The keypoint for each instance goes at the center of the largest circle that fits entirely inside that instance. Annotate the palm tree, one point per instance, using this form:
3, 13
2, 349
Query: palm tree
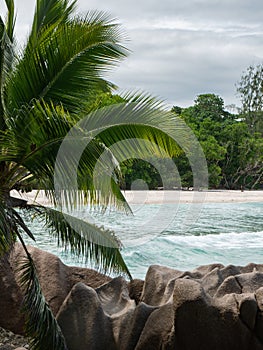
47, 89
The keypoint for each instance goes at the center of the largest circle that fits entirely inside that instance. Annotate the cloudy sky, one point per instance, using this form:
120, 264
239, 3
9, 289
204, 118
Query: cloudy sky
180, 49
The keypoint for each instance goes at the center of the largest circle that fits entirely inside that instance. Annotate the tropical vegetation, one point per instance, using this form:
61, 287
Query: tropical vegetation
232, 142
48, 86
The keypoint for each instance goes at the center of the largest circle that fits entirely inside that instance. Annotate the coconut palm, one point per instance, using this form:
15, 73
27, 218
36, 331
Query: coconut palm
47, 88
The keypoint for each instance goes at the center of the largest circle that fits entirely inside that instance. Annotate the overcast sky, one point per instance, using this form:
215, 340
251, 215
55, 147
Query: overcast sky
180, 49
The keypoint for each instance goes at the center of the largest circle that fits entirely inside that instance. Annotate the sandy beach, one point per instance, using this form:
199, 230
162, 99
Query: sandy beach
210, 196
158, 197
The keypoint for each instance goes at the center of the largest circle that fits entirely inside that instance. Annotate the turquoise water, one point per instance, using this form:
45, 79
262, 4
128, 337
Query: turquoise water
182, 236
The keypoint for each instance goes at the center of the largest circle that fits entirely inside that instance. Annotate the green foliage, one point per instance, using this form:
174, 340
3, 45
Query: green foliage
207, 119
185, 170
250, 89
138, 169
52, 89
233, 153
243, 164
209, 106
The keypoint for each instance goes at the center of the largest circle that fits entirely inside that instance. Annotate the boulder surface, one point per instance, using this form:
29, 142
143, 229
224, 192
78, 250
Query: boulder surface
212, 307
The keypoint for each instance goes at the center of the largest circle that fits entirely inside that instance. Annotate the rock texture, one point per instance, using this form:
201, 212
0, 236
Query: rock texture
213, 307
56, 279
10, 298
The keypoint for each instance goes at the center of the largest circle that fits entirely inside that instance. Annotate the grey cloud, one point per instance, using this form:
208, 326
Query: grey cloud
224, 10
179, 66
212, 43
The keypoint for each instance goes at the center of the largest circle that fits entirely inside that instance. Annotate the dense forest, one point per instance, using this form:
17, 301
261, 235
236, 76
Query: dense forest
232, 142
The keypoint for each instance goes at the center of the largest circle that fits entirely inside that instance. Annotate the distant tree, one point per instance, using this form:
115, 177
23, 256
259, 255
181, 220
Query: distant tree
206, 118
250, 89
209, 106
234, 155
243, 162
177, 110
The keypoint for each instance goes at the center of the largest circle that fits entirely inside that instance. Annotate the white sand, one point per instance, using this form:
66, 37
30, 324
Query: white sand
136, 197
158, 197
37, 197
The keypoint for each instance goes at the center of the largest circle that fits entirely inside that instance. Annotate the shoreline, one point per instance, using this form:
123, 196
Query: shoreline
209, 196
168, 197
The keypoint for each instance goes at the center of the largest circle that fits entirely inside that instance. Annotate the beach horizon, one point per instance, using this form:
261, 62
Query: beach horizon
181, 196
168, 196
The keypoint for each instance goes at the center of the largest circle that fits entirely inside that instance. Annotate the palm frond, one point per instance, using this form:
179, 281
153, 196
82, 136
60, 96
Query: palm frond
41, 325
20, 223
11, 19
138, 120
96, 245
67, 66
119, 131
6, 62
49, 13
37, 135
7, 232
35, 132
86, 172
92, 149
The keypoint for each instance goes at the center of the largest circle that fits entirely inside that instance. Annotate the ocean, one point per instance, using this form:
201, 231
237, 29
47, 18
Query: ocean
182, 236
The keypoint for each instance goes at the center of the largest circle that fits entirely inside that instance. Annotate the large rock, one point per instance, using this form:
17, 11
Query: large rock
83, 321
135, 290
105, 315
212, 307
159, 284
10, 299
131, 327
158, 332
202, 322
56, 280
200, 309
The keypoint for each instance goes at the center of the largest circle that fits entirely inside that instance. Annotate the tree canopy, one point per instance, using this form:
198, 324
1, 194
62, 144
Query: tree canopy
233, 149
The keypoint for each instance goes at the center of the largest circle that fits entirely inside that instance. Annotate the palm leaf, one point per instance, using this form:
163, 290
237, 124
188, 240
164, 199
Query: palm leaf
11, 19
137, 122
38, 133
101, 133
41, 325
20, 223
48, 13
6, 62
66, 66
7, 232
97, 245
